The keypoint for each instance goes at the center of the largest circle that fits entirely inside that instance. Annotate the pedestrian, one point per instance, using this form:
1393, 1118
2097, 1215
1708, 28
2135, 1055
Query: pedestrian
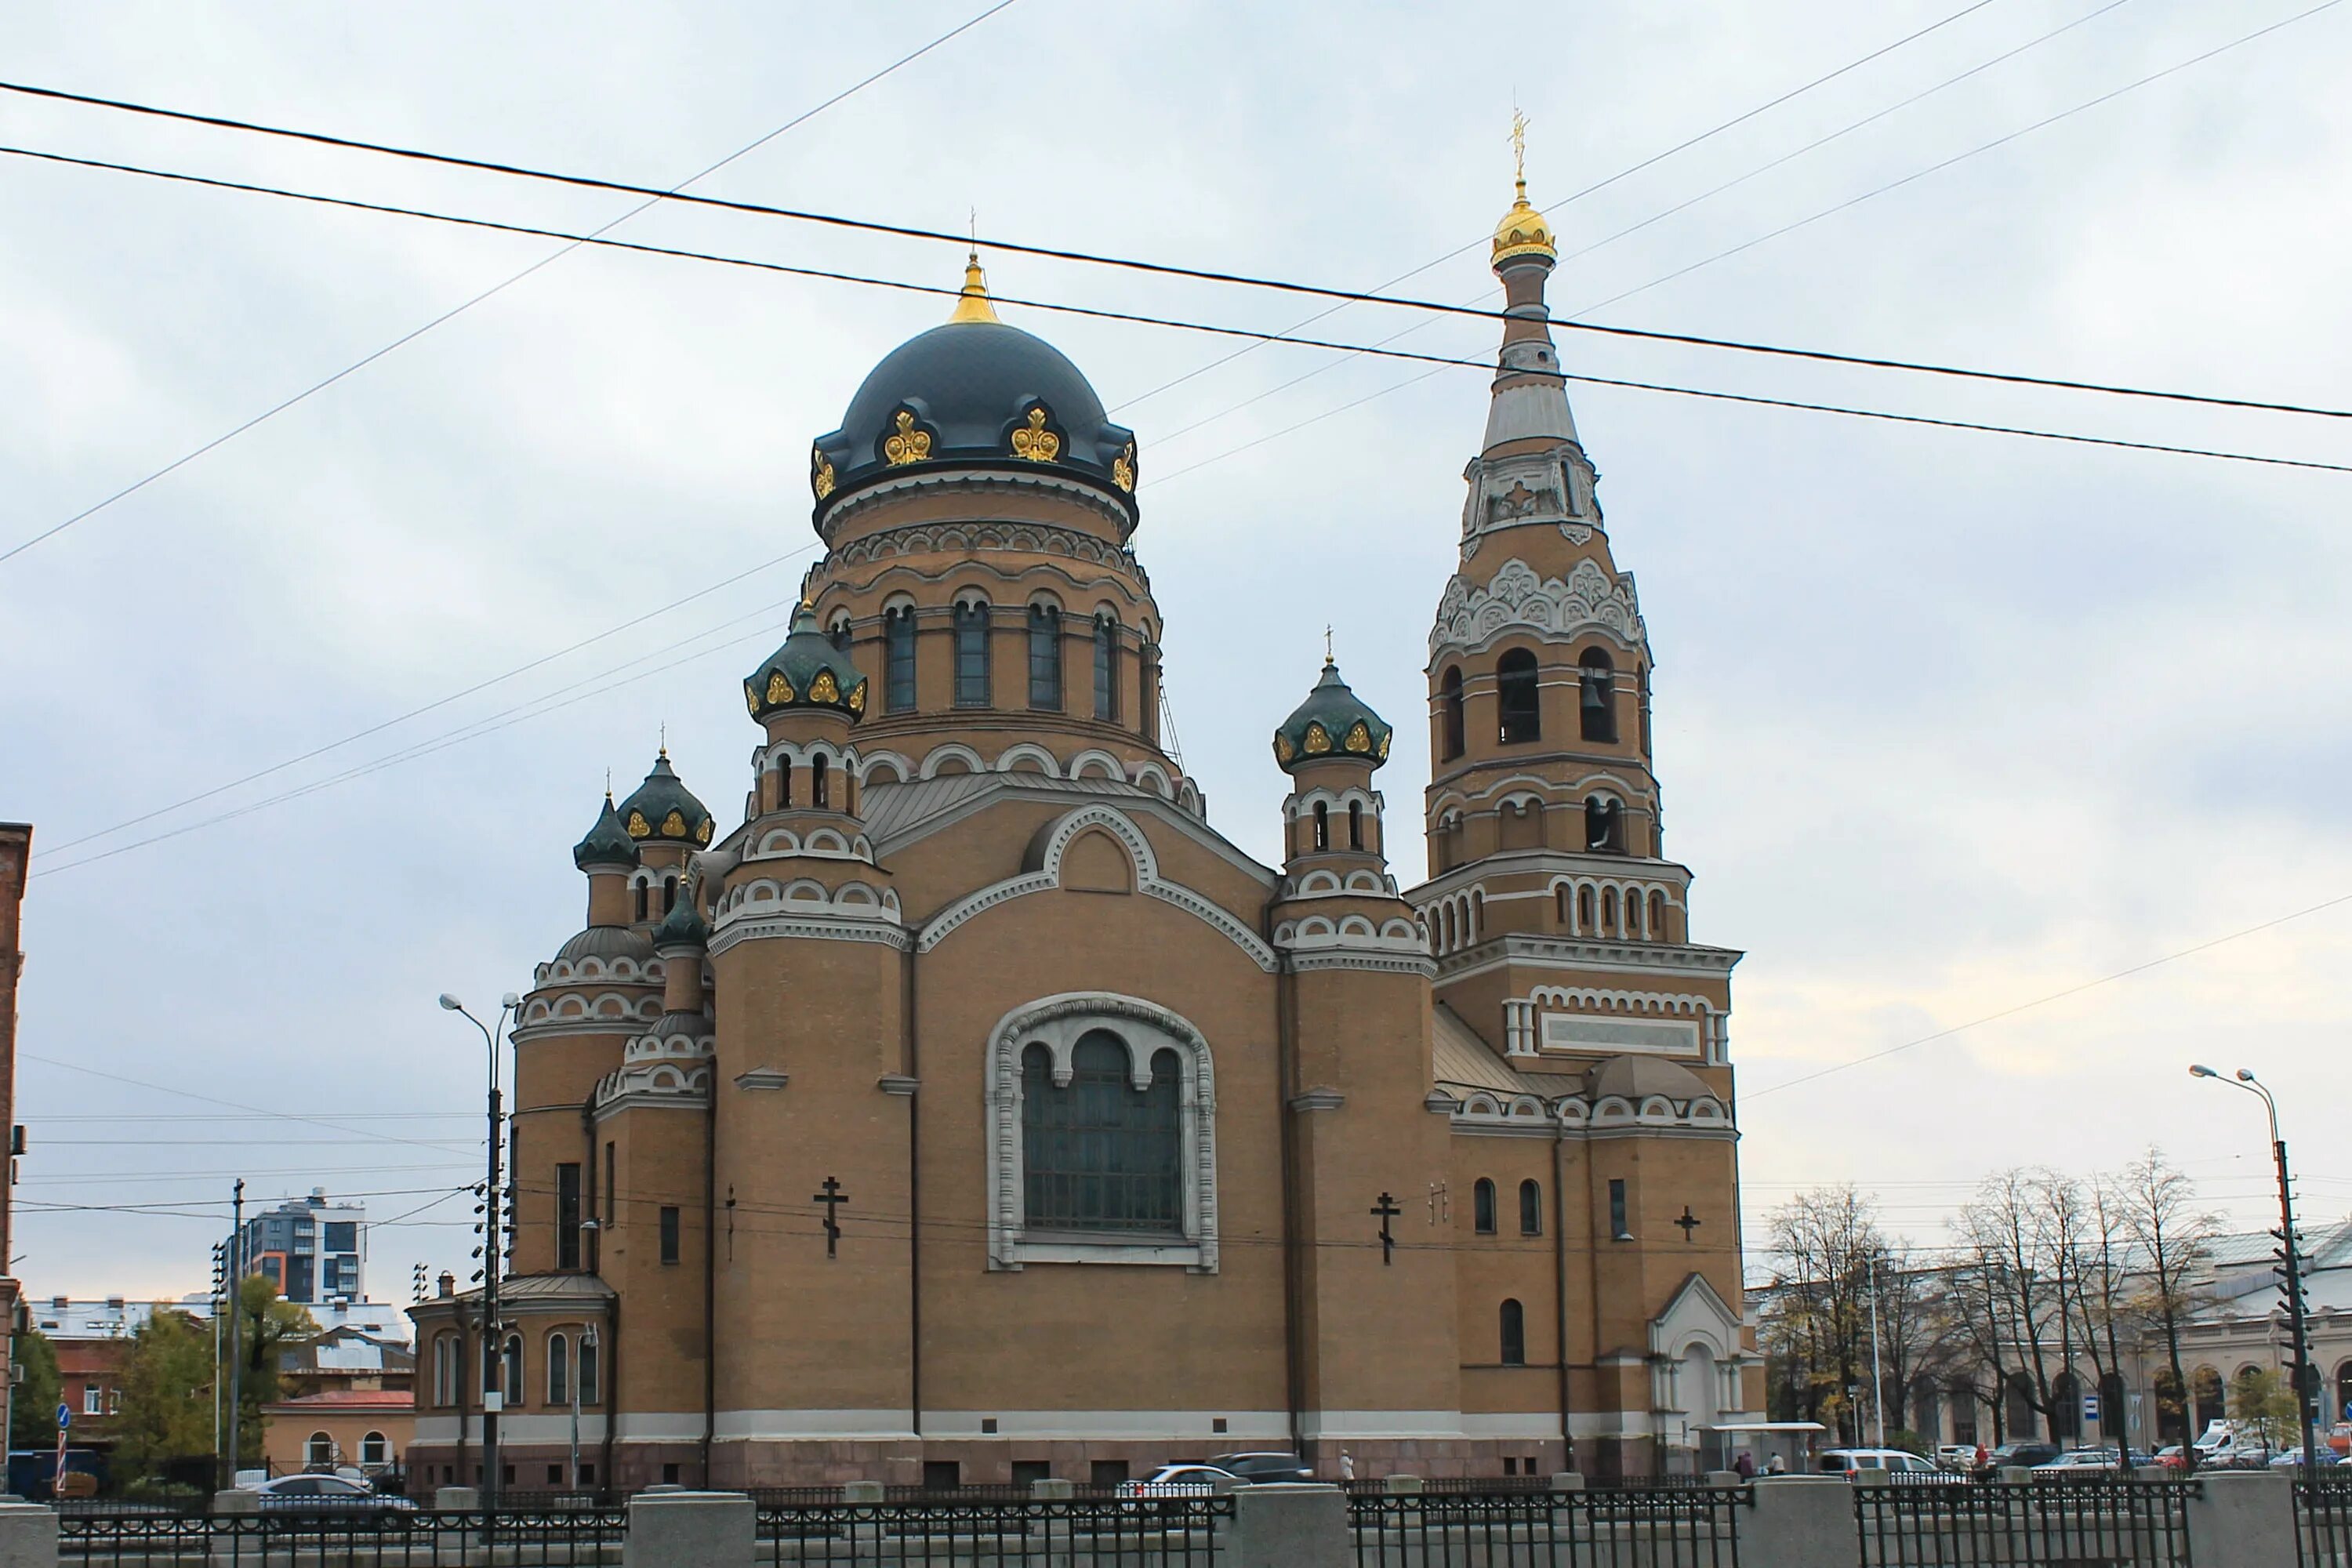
1984, 1458
1777, 1467
1346, 1467
1746, 1465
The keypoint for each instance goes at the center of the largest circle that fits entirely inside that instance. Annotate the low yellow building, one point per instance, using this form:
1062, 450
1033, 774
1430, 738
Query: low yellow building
366, 1427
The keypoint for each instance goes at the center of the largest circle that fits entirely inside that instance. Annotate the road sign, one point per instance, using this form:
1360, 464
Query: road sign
65, 1418
2090, 1407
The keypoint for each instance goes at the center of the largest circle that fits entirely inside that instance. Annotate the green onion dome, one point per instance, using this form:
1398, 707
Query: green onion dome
808, 671
1332, 722
663, 809
682, 927
608, 843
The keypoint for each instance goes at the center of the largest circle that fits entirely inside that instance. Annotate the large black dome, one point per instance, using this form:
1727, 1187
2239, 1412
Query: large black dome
975, 393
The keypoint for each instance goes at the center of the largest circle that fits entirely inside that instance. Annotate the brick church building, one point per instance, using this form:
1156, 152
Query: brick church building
973, 1108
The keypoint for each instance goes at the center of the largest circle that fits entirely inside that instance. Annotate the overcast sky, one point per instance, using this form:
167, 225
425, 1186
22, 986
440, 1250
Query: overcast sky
1946, 722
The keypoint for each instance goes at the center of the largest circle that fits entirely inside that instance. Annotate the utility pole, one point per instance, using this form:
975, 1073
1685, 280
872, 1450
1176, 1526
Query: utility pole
236, 1295
493, 1349
1877, 1394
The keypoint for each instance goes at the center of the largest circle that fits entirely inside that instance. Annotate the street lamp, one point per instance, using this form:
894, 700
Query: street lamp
2246, 1081
493, 1353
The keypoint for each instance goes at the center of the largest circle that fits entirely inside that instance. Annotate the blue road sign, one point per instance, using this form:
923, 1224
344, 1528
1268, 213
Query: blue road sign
2090, 1407
65, 1418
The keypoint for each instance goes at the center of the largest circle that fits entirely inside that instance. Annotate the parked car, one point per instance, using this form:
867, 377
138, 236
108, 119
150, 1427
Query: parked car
1267, 1466
2293, 1458
2223, 1445
1960, 1456
2091, 1459
2021, 1455
326, 1496
1893, 1462
1178, 1481
2175, 1456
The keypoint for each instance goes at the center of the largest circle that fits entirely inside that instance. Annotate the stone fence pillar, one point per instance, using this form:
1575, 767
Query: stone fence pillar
1802, 1521
28, 1535
448, 1500
2242, 1519
1289, 1525
691, 1529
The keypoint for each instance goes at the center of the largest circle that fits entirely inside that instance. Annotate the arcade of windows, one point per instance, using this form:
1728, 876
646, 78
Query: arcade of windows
571, 1365
971, 636
1518, 702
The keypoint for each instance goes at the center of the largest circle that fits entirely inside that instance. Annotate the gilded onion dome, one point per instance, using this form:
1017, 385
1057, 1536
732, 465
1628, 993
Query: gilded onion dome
1523, 232
663, 809
974, 394
808, 671
1332, 722
608, 843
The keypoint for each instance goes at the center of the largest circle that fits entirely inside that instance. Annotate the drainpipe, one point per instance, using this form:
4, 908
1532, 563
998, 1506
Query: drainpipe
1559, 1284
911, 1054
609, 1386
1292, 1263
709, 1273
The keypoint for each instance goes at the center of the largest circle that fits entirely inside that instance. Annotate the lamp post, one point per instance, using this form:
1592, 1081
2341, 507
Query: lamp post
493, 1351
2301, 1374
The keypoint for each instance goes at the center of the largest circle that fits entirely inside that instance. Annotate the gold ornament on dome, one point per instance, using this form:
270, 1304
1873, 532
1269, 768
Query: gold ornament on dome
1360, 737
908, 446
1319, 740
1122, 468
1383, 752
819, 473
779, 688
858, 697
674, 824
638, 826
1034, 441
1283, 749
751, 699
702, 833
823, 689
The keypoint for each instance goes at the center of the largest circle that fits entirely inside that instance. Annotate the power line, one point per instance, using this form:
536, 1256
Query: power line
2011, 1012
1963, 157
1134, 264
1482, 364
224, 1104
654, 196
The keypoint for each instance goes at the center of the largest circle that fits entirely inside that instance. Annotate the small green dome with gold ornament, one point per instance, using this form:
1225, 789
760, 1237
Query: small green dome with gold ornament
808, 671
1332, 722
608, 843
663, 809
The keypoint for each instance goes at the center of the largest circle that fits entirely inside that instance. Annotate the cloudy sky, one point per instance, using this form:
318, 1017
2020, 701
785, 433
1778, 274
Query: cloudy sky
1947, 722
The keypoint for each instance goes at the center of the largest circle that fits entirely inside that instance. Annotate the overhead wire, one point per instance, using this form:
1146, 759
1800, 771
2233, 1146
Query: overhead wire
653, 195
1124, 263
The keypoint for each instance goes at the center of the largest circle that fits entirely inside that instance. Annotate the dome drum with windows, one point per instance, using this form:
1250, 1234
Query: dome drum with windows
664, 810
808, 671
1333, 722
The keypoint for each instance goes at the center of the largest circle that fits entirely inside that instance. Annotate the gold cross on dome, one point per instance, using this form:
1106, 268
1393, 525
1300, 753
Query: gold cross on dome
1326, 643
1518, 143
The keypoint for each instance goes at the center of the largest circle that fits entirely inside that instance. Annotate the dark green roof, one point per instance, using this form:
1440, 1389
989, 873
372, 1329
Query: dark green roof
1333, 720
662, 809
608, 843
683, 926
808, 671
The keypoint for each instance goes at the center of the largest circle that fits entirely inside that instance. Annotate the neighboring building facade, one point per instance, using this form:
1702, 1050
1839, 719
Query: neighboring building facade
975, 1103
364, 1429
16, 855
92, 1338
311, 1249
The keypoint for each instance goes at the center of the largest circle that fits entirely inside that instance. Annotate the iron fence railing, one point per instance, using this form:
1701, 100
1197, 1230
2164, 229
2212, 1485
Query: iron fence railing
356, 1538
2322, 1521
1622, 1527
1106, 1532
2094, 1522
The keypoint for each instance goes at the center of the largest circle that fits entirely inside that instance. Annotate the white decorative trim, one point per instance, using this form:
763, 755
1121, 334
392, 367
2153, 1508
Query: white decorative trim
1057, 1022
784, 1425
1469, 618
762, 1079
1318, 1099
1049, 875
750, 928
899, 1084
1383, 961
1364, 1426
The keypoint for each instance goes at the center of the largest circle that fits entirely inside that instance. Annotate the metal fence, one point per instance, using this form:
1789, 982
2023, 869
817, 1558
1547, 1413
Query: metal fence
386, 1538
1138, 1532
1628, 1527
2322, 1521
2080, 1522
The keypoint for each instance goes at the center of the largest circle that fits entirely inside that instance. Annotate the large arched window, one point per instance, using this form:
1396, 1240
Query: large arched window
1517, 698
1482, 1208
1044, 658
1515, 1334
1105, 668
445, 1385
1530, 1209
319, 1451
514, 1383
1596, 696
1449, 715
899, 658
1098, 1152
1605, 826
588, 1391
559, 1369
971, 654
376, 1449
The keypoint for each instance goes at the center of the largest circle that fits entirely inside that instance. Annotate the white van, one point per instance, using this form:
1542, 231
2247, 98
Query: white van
1893, 1462
2224, 1443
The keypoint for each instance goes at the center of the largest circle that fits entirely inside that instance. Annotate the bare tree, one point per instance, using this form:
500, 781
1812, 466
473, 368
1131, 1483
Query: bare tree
2027, 1225
2174, 1243
1816, 1310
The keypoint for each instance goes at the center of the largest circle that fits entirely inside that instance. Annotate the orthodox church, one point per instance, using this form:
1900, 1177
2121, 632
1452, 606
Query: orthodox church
973, 1111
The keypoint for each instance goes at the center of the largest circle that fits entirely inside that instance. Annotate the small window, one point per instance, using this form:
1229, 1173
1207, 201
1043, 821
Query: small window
559, 1369
841, 633
1657, 931
1530, 1209
320, 1449
93, 1399
783, 784
1519, 702
1605, 826
899, 658
611, 1207
588, 1390
972, 655
643, 893
820, 783
1617, 1231
1044, 658
1322, 825
515, 1385
1482, 1208
1355, 824
567, 1215
1449, 716
1515, 1334
669, 1474
670, 894
1596, 687
374, 1449
943, 1475
1106, 668
669, 1233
